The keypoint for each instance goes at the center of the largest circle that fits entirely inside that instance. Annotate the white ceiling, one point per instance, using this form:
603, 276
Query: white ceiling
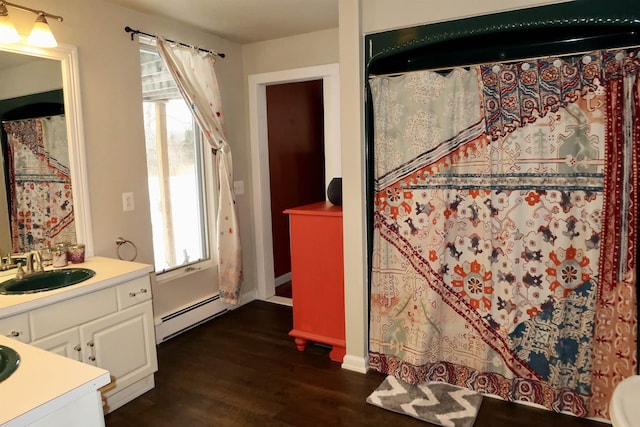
245, 21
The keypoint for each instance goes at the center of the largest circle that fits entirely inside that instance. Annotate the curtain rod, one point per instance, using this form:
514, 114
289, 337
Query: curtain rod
567, 46
509, 61
134, 32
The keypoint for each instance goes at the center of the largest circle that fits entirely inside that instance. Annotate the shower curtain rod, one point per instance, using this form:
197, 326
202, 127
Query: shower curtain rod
632, 45
46, 116
509, 61
134, 32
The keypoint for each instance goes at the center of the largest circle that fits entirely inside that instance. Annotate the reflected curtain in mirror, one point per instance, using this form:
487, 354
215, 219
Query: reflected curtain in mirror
505, 228
41, 206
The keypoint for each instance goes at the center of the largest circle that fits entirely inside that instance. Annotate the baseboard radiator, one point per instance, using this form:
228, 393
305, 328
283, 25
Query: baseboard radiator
182, 320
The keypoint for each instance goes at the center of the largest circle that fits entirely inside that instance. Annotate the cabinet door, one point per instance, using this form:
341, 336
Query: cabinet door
122, 343
65, 343
16, 327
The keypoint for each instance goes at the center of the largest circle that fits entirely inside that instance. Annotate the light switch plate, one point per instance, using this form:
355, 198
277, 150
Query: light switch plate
238, 187
127, 202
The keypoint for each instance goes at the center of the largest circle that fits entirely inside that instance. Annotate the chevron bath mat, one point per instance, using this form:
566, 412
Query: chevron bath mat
434, 402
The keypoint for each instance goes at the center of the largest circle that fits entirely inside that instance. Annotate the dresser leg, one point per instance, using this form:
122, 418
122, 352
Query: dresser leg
337, 353
301, 343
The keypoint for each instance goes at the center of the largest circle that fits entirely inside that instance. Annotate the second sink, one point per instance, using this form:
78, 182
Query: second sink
9, 361
45, 281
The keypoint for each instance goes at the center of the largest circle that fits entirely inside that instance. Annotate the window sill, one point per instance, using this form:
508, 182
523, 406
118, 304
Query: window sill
187, 270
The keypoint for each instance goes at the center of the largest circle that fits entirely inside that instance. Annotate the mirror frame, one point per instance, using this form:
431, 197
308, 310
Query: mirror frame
68, 57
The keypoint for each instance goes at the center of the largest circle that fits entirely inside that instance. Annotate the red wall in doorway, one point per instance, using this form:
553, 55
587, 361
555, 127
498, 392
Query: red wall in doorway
295, 120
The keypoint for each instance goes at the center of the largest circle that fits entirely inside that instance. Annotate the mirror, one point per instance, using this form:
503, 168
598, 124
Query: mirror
61, 60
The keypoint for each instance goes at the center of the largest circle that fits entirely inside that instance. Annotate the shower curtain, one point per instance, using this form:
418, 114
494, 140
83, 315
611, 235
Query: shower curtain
41, 205
505, 228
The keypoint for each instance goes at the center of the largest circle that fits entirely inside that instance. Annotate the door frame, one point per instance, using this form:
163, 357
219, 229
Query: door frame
330, 76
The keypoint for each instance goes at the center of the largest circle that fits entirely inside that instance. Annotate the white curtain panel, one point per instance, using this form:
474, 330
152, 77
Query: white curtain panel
194, 74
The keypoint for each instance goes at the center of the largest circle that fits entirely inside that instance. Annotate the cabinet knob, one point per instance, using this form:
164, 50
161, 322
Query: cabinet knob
92, 358
77, 347
90, 343
14, 334
141, 291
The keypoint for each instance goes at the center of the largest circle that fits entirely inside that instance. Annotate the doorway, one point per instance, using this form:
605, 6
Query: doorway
295, 125
329, 74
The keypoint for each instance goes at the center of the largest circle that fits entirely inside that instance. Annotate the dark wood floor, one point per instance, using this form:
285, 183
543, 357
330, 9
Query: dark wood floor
242, 369
284, 290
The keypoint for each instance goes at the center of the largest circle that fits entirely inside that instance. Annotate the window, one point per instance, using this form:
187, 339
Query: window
179, 177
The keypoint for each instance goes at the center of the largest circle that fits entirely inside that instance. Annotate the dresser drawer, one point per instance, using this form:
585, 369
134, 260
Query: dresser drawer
134, 292
72, 312
16, 327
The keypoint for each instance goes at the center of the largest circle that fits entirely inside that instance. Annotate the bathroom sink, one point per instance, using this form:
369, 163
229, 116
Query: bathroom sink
45, 281
9, 361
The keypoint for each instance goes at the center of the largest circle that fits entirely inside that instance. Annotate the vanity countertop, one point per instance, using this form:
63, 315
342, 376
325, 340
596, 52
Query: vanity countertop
108, 273
44, 383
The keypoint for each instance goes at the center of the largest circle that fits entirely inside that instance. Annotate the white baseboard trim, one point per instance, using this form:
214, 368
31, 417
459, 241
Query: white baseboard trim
190, 316
281, 280
280, 300
356, 364
245, 298
126, 395
172, 324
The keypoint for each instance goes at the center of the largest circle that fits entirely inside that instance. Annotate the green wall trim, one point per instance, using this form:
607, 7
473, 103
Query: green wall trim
549, 29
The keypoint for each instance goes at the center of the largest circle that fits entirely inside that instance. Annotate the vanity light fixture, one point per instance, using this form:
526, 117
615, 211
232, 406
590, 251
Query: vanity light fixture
8, 33
41, 35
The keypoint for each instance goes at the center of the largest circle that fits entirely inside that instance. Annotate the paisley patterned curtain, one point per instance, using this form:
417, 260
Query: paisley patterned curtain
41, 205
505, 228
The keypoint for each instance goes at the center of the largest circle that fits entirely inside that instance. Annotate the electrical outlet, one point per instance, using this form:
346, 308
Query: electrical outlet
127, 202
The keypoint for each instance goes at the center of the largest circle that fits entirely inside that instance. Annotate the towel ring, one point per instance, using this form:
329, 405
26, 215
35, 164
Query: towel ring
121, 241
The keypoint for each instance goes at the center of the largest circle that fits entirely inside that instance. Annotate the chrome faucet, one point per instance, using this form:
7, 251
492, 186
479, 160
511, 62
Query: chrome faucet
34, 262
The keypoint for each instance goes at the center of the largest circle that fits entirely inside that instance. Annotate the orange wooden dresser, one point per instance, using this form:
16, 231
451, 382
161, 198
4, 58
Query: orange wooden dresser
317, 278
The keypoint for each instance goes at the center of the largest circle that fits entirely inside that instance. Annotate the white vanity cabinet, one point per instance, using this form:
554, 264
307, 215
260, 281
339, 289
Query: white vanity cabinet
110, 327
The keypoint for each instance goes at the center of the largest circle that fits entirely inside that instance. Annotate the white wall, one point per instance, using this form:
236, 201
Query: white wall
274, 56
114, 136
109, 70
383, 15
359, 17
40, 75
305, 50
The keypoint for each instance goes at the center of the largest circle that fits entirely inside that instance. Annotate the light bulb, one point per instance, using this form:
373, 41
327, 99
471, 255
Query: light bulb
41, 34
8, 33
